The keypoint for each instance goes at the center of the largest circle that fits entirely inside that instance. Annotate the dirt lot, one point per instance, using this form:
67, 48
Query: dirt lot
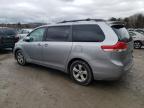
38, 87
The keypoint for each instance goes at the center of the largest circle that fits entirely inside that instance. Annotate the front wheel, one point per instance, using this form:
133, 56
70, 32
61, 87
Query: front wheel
81, 72
20, 58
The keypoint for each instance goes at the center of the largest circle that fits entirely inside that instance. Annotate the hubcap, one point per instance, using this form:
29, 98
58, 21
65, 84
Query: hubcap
80, 73
20, 58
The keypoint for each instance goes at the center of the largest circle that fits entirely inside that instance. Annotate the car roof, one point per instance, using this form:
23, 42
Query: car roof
7, 28
85, 21
136, 32
71, 23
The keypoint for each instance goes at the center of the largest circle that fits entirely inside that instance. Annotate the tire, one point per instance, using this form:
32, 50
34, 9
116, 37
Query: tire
20, 58
137, 44
12, 49
81, 72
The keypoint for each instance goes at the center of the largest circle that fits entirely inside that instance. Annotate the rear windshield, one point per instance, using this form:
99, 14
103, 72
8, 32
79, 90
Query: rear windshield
7, 32
122, 33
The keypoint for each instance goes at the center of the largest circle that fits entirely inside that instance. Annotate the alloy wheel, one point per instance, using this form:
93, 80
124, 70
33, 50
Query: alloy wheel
20, 58
80, 73
137, 44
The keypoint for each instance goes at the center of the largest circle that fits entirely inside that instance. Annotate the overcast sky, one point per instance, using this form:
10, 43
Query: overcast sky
12, 11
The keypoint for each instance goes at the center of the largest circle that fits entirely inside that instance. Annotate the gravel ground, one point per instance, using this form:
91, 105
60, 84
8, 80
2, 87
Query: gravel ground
34, 86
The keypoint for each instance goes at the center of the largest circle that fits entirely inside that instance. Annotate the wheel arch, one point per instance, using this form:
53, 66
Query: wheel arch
16, 51
138, 41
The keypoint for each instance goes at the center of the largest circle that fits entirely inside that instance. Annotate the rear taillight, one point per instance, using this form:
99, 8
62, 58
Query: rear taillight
16, 39
119, 46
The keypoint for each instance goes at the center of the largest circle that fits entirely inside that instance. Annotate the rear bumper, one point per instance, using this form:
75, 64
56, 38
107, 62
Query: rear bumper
9, 45
111, 72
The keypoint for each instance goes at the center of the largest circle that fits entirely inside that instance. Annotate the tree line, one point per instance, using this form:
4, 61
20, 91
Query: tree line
20, 26
134, 21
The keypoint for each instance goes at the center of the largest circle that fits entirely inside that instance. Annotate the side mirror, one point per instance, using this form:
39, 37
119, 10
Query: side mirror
28, 39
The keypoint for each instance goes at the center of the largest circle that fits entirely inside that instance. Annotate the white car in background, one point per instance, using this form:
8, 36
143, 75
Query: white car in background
138, 39
140, 31
23, 33
137, 30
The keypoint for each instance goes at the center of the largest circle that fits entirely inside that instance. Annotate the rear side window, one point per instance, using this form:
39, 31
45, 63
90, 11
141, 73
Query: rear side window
58, 33
122, 33
9, 32
87, 33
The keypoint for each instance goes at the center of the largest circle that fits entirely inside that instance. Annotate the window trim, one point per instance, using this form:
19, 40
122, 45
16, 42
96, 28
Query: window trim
70, 36
85, 25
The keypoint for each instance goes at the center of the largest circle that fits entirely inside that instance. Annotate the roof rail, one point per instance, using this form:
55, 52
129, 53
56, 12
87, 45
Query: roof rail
88, 19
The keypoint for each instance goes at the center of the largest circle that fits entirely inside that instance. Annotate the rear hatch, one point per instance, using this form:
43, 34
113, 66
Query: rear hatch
125, 56
7, 36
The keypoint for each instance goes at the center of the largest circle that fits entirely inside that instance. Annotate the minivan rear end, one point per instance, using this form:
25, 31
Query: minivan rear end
8, 38
118, 56
125, 56
106, 47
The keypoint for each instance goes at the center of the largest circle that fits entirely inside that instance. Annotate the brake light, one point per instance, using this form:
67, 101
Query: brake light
16, 39
119, 46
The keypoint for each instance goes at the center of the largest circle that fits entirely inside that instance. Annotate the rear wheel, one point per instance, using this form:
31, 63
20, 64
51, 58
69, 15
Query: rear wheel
81, 72
20, 58
137, 45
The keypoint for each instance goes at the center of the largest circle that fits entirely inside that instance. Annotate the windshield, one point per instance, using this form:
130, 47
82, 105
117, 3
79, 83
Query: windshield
140, 31
132, 34
122, 33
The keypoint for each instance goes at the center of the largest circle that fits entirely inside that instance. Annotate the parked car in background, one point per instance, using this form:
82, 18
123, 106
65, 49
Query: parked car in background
138, 39
137, 30
86, 49
23, 33
130, 29
140, 31
8, 37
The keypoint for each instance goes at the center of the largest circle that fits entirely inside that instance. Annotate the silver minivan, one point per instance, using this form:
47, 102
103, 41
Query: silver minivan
86, 49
